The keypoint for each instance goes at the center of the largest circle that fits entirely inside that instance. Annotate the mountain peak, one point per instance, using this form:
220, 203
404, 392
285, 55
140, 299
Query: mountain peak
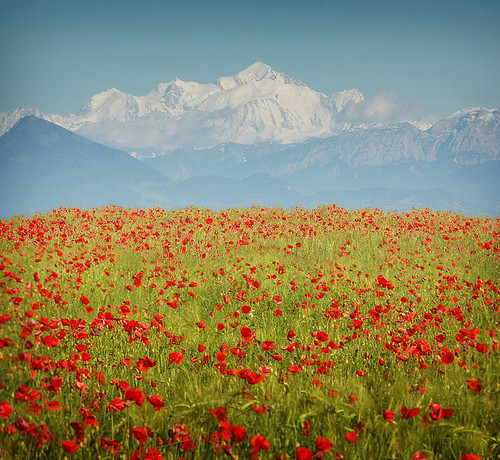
33, 128
255, 72
258, 73
110, 104
30, 119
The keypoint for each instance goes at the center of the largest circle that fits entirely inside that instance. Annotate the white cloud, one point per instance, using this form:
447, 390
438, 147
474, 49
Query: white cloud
382, 108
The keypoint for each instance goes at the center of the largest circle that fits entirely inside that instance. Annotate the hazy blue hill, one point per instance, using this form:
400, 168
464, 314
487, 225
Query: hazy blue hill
44, 166
427, 178
400, 199
225, 160
222, 192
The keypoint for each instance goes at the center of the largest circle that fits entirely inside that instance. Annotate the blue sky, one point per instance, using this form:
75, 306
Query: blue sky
440, 55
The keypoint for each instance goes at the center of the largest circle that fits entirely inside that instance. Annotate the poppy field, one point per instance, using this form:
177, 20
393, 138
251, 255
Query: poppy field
249, 333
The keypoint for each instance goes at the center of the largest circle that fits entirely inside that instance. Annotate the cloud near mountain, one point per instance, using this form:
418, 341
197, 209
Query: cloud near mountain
382, 108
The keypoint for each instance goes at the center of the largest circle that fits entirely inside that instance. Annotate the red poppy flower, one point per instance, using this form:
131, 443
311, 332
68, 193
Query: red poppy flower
236, 351
134, 394
247, 334
268, 345
482, 348
79, 429
69, 447
250, 376
5, 409
409, 413
352, 436
88, 417
389, 415
53, 406
259, 443
144, 364
110, 445
320, 335
323, 444
142, 433
117, 405
153, 454
382, 282
176, 357
447, 356
100, 378
239, 434
84, 300
447, 413
157, 402
303, 453
9, 429
470, 457
475, 385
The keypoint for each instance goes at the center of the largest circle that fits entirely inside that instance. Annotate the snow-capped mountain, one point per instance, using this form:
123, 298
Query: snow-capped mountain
259, 105
470, 136
255, 105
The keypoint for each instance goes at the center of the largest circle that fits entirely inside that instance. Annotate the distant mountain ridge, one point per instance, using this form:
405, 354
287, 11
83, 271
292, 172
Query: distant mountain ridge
43, 166
466, 138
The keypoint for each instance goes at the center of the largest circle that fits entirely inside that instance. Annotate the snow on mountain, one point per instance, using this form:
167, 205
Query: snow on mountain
341, 99
109, 105
259, 105
9, 119
470, 136
256, 105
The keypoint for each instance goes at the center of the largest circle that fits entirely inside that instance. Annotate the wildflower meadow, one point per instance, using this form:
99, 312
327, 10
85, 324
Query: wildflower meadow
249, 333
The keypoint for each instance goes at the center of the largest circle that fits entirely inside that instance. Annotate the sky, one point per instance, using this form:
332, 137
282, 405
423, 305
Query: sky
432, 57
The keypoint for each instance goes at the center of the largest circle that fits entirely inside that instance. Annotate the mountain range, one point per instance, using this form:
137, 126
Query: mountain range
256, 105
259, 137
